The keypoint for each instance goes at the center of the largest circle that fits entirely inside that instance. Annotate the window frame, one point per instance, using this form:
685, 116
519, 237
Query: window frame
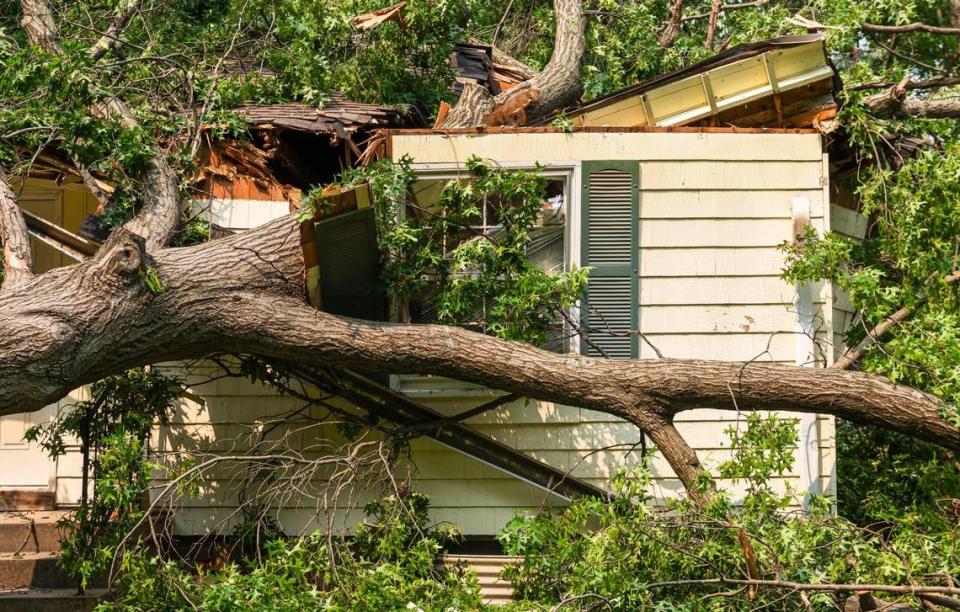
568, 170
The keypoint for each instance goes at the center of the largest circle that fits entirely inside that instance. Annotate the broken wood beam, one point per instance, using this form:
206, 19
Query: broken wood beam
389, 404
70, 244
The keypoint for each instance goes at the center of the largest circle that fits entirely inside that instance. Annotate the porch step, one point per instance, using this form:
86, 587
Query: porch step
36, 571
30, 532
50, 600
487, 567
27, 499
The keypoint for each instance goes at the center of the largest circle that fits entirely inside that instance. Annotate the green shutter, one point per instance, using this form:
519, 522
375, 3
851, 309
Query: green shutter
610, 247
349, 261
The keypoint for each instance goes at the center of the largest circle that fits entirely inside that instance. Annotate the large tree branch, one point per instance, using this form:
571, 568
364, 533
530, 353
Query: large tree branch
242, 294
557, 85
895, 103
38, 23
17, 254
672, 29
909, 84
712, 24
160, 213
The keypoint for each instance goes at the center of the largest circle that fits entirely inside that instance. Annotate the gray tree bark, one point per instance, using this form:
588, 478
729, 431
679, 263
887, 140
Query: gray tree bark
243, 294
556, 86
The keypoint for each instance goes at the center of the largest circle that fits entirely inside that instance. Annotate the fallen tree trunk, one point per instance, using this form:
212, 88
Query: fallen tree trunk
243, 294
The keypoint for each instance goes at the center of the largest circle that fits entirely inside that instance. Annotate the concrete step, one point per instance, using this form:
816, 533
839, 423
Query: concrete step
36, 570
27, 499
50, 600
30, 531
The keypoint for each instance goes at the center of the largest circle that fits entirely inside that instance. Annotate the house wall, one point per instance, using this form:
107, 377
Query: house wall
24, 465
713, 209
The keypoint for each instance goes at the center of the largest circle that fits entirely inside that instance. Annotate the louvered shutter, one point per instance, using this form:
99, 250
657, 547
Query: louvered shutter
611, 249
349, 261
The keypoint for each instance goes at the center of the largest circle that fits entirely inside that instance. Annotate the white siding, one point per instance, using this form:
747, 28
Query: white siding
713, 208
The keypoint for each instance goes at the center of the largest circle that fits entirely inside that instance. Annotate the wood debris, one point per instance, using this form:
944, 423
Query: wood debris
373, 19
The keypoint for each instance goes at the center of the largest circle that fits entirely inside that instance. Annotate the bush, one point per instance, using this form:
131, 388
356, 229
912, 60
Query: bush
391, 563
628, 554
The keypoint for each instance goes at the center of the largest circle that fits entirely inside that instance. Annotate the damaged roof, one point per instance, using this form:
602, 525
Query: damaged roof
787, 82
339, 117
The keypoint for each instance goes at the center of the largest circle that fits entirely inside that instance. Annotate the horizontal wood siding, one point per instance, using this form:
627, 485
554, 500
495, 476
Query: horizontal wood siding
712, 215
658, 146
713, 209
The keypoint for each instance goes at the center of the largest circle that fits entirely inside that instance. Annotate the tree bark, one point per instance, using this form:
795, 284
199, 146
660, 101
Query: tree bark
909, 27
243, 294
110, 41
159, 214
556, 86
712, 24
17, 254
672, 29
894, 103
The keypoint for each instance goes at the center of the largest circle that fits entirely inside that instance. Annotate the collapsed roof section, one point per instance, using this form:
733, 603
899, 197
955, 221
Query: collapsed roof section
339, 117
474, 61
293, 147
784, 82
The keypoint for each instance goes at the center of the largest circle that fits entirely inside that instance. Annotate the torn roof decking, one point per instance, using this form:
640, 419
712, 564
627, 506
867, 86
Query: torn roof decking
339, 117
787, 82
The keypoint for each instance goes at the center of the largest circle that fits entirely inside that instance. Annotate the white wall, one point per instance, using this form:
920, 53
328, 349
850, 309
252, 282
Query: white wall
713, 207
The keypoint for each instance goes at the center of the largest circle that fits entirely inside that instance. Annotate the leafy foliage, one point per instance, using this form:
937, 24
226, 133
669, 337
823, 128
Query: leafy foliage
476, 278
113, 428
627, 554
392, 563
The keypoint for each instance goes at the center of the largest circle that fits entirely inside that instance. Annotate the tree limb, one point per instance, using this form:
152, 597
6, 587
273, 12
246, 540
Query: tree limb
17, 253
726, 7
852, 355
243, 294
895, 103
910, 27
39, 25
160, 214
712, 24
110, 41
910, 84
557, 85
672, 29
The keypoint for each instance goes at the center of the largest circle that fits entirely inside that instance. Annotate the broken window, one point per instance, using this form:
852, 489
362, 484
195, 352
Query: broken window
545, 247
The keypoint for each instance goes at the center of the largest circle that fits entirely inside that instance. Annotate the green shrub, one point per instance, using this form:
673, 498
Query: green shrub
391, 563
629, 554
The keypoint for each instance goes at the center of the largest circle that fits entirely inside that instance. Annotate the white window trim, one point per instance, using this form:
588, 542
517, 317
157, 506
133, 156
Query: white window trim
571, 171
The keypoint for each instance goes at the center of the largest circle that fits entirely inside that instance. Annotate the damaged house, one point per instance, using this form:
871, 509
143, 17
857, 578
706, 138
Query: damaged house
675, 192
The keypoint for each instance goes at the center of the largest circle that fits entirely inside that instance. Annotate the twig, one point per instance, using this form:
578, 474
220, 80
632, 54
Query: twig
910, 27
850, 356
803, 586
726, 7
